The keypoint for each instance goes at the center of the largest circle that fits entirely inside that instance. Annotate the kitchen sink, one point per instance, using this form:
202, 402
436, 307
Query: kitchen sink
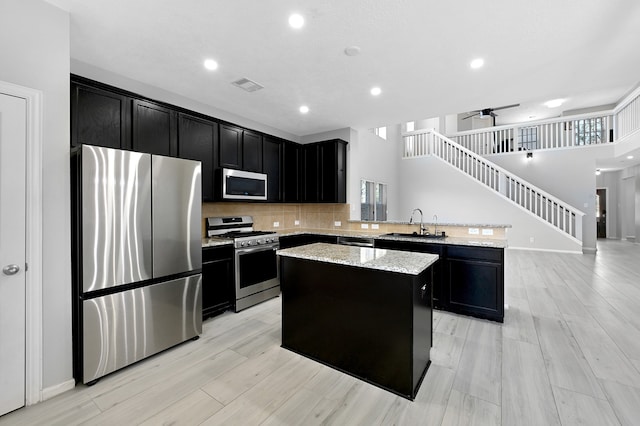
416, 235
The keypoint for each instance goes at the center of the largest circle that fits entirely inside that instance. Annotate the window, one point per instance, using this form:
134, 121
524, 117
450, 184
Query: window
588, 131
381, 132
528, 138
373, 201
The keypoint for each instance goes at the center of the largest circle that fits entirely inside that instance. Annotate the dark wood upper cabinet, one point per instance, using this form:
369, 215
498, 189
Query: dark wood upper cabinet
154, 129
99, 117
107, 116
310, 172
333, 171
240, 148
251, 151
291, 172
230, 153
196, 141
271, 164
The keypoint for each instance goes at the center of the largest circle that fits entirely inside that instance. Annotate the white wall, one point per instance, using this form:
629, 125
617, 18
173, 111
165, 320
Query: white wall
439, 189
375, 159
34, 46
345, 134
103, 76
630, 202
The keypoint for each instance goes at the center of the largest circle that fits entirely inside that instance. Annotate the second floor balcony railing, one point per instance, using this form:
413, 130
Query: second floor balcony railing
575, 130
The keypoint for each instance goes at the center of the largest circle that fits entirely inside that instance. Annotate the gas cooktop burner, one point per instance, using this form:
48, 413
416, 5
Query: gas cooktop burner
240, 229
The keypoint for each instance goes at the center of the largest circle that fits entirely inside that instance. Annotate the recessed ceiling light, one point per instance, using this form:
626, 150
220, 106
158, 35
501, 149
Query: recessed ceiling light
296, 21
554, 103
352, 51
375, 91
210, 64
477, 63
629, 157
304, 109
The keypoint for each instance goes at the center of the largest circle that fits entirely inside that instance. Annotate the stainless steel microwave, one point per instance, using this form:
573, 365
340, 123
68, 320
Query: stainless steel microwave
242, 185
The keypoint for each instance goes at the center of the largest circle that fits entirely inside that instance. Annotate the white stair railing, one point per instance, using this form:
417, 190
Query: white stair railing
557, 213
563, 132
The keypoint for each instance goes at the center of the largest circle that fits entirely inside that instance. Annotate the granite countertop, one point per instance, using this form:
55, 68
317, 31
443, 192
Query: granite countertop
215, 242
460, 241
402, 262
406, 222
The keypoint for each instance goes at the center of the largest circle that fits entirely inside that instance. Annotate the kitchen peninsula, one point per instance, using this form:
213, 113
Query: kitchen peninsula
364, 311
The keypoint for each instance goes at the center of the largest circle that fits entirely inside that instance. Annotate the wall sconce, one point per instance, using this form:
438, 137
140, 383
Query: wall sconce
529, 156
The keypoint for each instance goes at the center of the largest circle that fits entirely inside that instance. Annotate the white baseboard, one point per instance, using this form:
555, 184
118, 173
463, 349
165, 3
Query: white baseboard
544, 249
56, 390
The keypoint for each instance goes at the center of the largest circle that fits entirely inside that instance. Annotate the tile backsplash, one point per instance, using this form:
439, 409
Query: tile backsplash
310, 216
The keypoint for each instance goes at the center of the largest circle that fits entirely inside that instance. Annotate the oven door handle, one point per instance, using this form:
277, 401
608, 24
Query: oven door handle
252, 249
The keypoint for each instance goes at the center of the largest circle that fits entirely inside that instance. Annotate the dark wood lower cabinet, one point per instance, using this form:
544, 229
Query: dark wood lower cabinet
295, 240
476, 281
217, 280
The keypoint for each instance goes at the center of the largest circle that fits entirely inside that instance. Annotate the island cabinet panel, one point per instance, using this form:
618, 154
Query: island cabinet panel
196, 140
99, 117
372, 324
217, 280
476, 282
272, 167
154, 129
440, 290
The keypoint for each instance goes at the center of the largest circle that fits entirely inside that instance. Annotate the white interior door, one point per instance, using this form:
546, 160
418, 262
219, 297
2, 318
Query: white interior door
12, 251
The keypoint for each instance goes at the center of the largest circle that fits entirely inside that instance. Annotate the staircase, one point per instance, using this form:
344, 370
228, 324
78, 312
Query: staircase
558, 214
466, 150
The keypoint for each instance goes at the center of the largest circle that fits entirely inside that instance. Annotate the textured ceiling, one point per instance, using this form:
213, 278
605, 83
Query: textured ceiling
417, 51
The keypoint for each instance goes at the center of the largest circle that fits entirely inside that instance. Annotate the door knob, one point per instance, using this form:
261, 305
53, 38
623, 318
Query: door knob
11, 269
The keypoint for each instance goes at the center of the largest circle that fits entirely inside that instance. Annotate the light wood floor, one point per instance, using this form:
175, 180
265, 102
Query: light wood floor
568, 353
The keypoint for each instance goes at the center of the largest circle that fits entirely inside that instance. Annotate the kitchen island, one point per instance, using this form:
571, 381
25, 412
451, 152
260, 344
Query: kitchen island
364, 311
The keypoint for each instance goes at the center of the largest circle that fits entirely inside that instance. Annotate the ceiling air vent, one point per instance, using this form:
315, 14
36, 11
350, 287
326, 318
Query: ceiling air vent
248, 85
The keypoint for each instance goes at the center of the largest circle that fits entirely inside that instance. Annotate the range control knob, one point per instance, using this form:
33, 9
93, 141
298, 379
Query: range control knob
243, 243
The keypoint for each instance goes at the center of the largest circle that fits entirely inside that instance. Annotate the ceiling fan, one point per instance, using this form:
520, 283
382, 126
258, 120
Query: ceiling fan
488, 111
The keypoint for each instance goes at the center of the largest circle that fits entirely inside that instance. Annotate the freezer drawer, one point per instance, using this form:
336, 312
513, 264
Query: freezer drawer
177, 218
122, 328
116, 212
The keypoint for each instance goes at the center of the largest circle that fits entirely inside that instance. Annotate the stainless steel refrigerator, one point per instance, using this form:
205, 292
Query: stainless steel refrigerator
137, 257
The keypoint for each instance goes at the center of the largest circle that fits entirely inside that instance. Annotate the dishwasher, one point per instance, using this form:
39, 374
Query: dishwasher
356, 241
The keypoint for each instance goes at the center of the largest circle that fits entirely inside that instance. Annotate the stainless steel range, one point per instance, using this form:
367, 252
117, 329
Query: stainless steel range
257, 275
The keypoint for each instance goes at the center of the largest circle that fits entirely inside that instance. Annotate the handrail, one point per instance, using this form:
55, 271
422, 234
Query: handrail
533, 199
627, 115
563, 132
560, 132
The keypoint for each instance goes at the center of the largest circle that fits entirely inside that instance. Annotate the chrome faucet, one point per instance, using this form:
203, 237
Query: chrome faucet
435, 227
422, 228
